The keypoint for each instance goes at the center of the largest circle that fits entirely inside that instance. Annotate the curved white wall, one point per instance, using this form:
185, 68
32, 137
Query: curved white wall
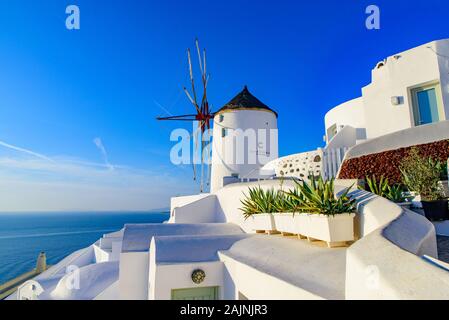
223, 164
388, 263
228, 204
297, 165
350, 113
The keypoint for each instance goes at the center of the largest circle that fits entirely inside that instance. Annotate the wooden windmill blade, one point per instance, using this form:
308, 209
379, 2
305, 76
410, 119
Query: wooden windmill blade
192, 81
199, 56
203, 112
187, 117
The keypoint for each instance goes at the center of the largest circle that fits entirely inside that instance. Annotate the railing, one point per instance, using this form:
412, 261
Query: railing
326, 162
332, 161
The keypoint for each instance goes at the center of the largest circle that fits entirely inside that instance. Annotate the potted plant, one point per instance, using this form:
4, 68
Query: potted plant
258, 207
382, 188
323, 215
422, 175
398, 195
444, 184
378, 187
287, 205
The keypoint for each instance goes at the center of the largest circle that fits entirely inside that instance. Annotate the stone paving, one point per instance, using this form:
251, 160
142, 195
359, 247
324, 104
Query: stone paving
443, 248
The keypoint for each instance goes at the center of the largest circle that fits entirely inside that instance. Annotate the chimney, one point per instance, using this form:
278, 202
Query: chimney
41, 264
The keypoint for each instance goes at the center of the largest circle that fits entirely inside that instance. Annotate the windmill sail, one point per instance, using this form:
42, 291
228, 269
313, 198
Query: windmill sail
203, 115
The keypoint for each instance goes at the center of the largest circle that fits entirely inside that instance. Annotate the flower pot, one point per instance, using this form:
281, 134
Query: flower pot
263, 222
335, 230
287, 223
405, 205
436, 210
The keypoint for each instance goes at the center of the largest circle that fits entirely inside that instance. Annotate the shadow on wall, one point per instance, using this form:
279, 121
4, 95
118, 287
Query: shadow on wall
413, 233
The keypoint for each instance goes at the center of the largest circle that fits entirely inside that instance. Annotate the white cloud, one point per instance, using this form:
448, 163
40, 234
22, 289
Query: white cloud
100, 146
29, 152
30, 181
73, 184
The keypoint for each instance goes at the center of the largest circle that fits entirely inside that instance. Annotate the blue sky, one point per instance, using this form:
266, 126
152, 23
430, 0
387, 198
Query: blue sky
62, 89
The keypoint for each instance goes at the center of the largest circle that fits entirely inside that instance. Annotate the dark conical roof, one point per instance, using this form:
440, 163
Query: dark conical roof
245, 100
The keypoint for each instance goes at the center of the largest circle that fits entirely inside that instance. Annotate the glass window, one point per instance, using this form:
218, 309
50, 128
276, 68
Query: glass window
331, 132
426, 105
224, 132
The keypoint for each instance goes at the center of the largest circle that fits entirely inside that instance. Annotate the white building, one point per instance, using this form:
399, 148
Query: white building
408, 89
208, 251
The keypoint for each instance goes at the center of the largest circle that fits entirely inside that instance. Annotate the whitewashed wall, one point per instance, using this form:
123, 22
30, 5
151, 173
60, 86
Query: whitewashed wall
442, 47
222, 147
165, 278
133, 277
300, 165
397, 77
242, 279
200, 210
350, 113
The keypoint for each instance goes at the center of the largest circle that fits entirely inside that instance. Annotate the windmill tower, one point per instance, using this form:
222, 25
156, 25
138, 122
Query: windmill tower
244, 134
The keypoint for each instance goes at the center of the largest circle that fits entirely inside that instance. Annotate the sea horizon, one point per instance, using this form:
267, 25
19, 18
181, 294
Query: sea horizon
164, 210
57, 233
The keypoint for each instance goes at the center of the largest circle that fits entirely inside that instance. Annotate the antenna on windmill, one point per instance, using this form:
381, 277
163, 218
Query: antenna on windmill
203, 113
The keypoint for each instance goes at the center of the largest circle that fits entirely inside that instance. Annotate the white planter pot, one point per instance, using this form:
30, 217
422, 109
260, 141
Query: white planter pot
335, 230
262, 222
287, 223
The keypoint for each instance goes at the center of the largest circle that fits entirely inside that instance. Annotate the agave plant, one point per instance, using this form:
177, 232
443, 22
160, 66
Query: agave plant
378, 187
382, 188
249, 207
289, 201
259, 201
319, 197
397, 194
281, 203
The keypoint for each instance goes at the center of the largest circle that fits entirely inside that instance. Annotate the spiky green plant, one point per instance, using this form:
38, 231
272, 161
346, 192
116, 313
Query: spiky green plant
382, 188
397, 194
378, 187
259, 201
319, 197
289, 201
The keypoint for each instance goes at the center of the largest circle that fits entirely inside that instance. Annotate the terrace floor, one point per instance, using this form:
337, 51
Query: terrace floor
310, 266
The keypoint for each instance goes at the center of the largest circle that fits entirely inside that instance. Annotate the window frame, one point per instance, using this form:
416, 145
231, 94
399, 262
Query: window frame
413, 92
